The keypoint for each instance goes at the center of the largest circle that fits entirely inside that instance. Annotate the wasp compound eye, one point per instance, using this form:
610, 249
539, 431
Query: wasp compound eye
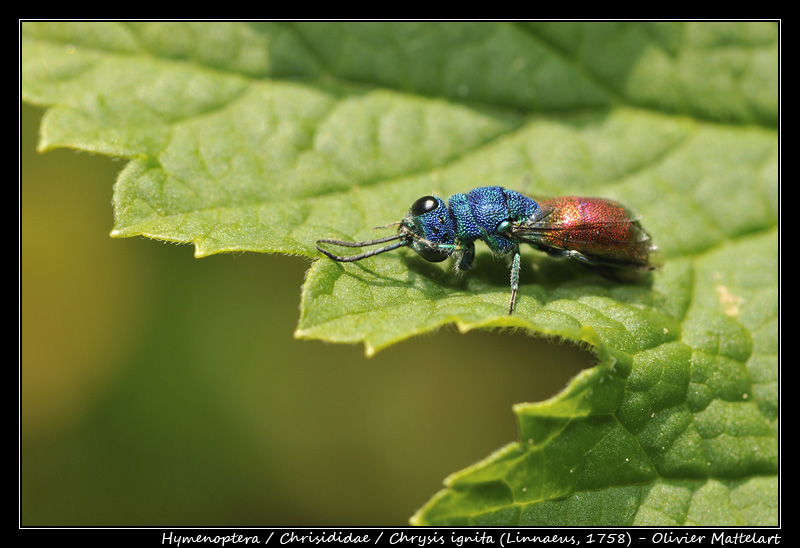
424, 205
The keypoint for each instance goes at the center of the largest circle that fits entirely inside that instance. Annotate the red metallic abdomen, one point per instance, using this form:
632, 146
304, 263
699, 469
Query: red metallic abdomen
597, 228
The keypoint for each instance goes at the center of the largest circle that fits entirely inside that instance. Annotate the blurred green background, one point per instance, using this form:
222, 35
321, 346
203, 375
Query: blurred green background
160, 389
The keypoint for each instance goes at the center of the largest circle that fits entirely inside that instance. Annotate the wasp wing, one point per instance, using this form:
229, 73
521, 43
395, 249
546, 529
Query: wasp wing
595, 231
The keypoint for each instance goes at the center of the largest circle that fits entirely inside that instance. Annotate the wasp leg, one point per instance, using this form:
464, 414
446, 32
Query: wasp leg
467, 258
514, 281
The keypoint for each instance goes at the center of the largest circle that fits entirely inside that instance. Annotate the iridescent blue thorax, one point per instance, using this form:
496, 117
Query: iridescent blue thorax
481, 214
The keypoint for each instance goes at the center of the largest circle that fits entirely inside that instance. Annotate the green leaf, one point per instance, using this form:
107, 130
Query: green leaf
267, 137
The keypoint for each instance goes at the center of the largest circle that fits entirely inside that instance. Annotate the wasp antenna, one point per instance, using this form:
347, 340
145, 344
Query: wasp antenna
345, 243
352, 258
390, 225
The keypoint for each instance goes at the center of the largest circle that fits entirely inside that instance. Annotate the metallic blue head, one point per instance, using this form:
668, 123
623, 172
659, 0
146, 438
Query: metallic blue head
430, 225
